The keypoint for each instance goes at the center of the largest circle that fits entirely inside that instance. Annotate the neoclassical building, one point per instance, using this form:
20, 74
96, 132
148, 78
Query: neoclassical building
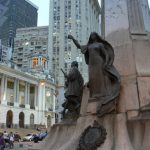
25, 100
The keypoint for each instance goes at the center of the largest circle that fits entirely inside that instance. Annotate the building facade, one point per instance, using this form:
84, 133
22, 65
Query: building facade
15, 14
5, 53
76, 17
146, 14
29, 45
26, 101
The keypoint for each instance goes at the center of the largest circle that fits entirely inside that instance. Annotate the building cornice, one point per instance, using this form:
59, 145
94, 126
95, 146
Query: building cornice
18, 74
32, 28
28, 1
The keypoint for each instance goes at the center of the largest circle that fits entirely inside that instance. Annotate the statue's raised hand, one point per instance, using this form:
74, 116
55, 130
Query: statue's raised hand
70, 37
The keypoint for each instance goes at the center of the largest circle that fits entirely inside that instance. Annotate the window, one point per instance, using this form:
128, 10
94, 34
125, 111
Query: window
34, 62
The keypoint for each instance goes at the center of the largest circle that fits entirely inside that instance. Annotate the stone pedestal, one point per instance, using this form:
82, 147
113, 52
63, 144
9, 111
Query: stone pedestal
66, 137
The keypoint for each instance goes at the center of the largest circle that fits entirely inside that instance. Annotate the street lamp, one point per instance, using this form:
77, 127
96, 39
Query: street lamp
42, 83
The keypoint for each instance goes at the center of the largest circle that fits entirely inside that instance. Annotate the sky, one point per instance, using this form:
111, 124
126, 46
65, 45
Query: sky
43, 12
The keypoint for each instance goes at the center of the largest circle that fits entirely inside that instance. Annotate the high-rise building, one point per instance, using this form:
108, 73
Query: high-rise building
15, 14
31, 48
78, 18
5, 53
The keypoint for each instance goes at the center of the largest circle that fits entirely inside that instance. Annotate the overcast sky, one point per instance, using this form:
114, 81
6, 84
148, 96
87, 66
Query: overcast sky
43, 12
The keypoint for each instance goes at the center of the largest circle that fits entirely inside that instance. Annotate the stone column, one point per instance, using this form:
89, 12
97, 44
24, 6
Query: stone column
5, 90
35, 96
39, 61
135, 17
2, 87
16, 91
46, 66
26, 93
54, 100
28, 96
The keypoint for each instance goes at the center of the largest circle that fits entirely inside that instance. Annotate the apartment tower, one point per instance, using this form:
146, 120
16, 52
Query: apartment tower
78, 18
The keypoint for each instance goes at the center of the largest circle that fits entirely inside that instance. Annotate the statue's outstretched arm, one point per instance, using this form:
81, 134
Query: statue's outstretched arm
74, 41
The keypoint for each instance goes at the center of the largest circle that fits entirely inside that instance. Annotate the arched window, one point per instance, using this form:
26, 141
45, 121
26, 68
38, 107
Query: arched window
21, 120
9, 119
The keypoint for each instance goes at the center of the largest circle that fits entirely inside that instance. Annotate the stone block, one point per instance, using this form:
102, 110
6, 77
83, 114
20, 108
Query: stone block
128, 99
144, 92
124, 60
92, 107
84, 102
132, 114
116, 16
142, 53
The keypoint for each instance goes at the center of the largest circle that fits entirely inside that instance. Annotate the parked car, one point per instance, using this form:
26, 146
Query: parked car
42, 135
36, 139
28, 137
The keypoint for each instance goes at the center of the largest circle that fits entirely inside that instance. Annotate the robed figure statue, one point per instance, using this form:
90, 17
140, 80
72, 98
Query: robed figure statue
104, 79
73, 91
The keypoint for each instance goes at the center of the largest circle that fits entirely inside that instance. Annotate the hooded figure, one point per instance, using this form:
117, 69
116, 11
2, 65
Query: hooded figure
104, 80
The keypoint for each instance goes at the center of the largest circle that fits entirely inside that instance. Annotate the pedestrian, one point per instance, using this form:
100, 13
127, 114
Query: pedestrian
11, 138
6, 138
2, 142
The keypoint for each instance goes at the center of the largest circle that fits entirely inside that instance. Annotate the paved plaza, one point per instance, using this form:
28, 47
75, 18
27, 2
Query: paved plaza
25, 146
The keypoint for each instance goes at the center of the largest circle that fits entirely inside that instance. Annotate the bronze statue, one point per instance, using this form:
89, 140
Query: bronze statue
74, 87
104, 80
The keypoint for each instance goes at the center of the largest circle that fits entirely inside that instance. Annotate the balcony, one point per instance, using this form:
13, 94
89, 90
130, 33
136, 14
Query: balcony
50, 109
32, 107
10, 103
22, 105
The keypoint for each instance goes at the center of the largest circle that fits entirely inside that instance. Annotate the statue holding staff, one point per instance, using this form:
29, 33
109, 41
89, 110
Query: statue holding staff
74, 88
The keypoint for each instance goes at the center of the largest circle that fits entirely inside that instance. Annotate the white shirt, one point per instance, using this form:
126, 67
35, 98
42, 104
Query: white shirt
11, 138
